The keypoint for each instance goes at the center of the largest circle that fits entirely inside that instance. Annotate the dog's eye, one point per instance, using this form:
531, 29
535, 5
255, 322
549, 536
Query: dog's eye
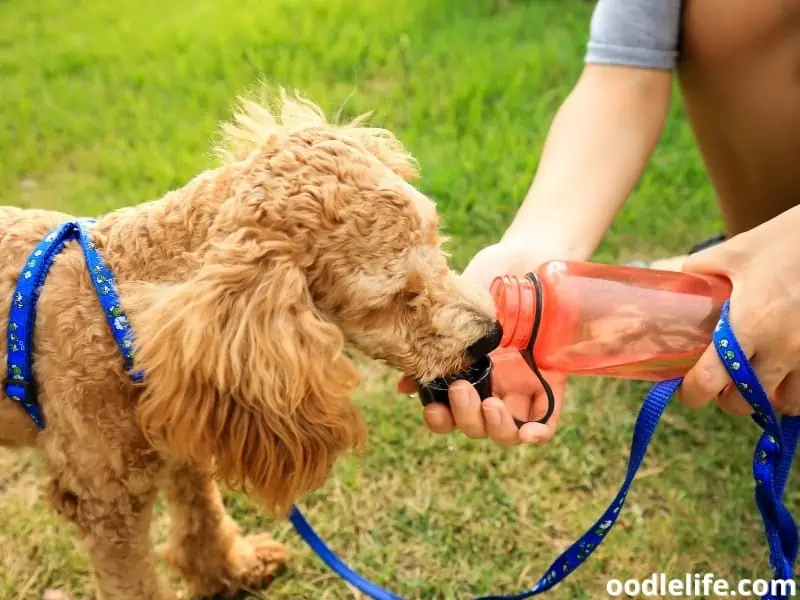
414, 289
409, 296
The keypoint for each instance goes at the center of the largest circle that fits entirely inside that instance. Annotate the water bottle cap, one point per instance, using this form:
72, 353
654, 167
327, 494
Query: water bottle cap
479, 375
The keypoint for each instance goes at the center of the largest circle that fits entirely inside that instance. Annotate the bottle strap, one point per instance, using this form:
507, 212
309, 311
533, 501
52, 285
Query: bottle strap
530, 359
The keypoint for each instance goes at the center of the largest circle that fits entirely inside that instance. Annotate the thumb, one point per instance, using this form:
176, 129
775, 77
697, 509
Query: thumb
481, 270
725, 258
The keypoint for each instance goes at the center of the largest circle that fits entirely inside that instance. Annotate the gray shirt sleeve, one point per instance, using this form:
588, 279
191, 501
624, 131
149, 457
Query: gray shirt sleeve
635, 33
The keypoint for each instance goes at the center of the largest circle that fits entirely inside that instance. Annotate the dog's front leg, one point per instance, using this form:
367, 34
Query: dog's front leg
204, 542
114, 524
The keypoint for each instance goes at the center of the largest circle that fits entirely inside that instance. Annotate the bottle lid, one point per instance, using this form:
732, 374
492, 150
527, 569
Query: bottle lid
479, 375
515, 301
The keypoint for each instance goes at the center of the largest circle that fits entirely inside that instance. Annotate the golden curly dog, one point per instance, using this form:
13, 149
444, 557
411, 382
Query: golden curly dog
243, 288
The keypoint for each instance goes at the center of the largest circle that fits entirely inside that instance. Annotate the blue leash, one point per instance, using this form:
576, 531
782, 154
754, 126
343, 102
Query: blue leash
771, 465
771, 462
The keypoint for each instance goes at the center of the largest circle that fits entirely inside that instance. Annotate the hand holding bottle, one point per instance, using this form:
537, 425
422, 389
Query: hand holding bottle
517, 391
764, 266
517, 394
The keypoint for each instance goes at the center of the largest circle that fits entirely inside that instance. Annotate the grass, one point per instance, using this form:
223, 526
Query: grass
116, 103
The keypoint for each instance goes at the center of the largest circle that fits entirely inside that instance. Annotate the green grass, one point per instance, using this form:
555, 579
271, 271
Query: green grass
110, 104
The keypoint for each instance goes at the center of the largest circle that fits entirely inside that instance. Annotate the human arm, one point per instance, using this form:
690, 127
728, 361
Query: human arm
596, 150
597, 147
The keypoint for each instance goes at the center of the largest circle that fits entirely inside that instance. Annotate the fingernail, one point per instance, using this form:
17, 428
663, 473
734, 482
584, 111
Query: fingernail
460, 397
435, 419
492, 416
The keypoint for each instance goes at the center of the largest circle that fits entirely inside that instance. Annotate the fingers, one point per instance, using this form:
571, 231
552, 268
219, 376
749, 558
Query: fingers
733, 403
500, 425
498, 415
491, 418
763, 314
787, 396
476, 419
726, 258
770, 373
705, 381
407, 385
539, 433
523, 398
438, 418
465, 404
673, 263
708, 377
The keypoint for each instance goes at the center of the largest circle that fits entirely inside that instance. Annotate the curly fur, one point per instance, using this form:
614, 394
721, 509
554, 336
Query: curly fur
243, 288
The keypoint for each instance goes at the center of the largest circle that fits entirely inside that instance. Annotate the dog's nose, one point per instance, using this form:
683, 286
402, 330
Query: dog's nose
486, 344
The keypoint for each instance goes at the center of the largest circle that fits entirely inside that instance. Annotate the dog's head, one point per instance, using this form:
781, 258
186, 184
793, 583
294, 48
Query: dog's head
322, 242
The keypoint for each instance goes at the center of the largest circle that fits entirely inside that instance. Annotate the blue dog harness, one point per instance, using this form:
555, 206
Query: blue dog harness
20, 383
772, 460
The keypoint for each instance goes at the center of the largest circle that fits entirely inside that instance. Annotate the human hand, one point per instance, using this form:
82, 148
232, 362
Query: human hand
763, 266
517, 392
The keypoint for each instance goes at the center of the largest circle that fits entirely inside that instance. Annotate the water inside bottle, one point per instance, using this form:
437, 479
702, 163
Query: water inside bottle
643, 333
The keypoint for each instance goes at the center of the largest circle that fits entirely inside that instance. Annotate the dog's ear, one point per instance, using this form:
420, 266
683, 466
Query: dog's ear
242, 374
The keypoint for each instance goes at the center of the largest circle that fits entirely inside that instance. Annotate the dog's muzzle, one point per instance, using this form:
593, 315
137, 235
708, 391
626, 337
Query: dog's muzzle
479, 374
487, 344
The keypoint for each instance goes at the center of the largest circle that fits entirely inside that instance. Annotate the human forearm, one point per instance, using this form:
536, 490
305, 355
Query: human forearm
598, 145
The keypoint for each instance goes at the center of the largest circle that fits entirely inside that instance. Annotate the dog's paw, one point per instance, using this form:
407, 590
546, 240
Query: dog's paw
254, 562
250, 565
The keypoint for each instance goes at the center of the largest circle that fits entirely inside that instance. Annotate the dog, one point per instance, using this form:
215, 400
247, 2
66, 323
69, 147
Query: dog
245, 288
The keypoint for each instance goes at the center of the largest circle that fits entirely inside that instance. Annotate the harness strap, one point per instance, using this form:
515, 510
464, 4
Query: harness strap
20, 382
771, 464
105, 286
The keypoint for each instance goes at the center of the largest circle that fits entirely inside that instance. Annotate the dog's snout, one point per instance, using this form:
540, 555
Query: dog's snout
486, 344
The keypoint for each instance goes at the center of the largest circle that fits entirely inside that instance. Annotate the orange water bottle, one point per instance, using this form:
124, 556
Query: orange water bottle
607, 320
